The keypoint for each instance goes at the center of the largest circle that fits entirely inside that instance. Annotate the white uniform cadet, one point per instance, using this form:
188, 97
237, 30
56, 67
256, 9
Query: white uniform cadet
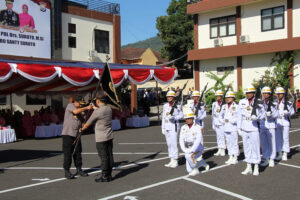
248, 127
267, 131
170, 127
191, 144
229, 117
283, 126
200, 116
217, 124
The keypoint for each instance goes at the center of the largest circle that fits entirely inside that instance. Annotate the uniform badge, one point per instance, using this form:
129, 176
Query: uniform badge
167, 113
249, 108
233, 108
226, 120
218, 110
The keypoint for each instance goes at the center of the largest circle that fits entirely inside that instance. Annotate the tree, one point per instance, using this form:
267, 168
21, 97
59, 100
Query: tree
176, 32
280, 74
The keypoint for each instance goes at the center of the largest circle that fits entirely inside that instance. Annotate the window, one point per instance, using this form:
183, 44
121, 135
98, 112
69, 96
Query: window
2, 100
272, 18
223, 26
72, 28
222, 70
72, 42
35, 100
102, 41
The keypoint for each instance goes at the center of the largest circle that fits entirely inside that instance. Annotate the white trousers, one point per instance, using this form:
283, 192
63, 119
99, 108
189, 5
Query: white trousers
251, 145
191, 160
282, 138
220, 137
232, 143
171, 138
268, 143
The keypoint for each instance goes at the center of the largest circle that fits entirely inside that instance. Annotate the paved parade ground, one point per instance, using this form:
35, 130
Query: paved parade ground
32, 169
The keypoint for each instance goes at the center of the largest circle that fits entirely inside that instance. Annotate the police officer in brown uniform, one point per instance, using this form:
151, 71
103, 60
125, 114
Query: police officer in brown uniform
8, 17
71, 127
102, 117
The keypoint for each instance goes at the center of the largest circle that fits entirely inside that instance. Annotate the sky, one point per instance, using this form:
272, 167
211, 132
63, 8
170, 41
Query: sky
138, 18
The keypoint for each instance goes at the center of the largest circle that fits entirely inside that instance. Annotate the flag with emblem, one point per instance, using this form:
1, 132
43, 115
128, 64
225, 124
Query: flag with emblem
107, 85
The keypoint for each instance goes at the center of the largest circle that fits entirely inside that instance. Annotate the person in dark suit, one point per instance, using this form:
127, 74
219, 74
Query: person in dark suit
8, 17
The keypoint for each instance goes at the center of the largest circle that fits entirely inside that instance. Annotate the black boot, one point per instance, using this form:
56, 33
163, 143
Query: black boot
68, 174
81, 173
103, 179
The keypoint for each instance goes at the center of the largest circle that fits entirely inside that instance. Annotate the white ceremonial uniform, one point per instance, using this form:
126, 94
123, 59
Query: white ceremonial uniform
218, 125
283, 127
190, 141
229, 116
249, 128
267, 132
200, 115
170, 127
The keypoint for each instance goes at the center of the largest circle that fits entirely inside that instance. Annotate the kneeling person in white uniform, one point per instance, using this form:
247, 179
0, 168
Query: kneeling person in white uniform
170, 127
229, 115
190, 140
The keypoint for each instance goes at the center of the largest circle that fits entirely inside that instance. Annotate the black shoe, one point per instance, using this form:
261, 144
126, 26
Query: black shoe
103, 179
81, 173
69, 175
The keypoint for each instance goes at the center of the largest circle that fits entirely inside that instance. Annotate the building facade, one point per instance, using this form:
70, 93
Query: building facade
79, 32
243, 36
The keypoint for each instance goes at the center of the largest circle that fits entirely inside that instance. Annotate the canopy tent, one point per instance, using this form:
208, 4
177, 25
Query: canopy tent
36, 76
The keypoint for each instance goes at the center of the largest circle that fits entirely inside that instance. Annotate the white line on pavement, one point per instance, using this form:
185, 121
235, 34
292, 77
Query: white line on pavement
143, 188
295, 130
122, 153
156, 184
289, 165
217, 189
128, 143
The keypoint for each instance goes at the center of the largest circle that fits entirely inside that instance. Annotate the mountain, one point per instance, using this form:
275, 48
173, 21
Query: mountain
153, 43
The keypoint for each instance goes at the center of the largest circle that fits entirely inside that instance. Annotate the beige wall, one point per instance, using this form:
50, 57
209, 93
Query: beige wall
254, 67
211, 65
297, 70
84, 37
296, 18
204, 40
148, 58
251, 21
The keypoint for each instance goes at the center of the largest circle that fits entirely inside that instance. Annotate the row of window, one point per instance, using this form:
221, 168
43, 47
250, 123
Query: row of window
271, 19
101, 39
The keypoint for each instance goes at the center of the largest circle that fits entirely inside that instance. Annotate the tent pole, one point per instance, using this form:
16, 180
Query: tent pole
11, 105
157, 99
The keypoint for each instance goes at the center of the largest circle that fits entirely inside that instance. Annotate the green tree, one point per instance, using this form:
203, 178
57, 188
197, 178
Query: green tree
219, 85
176, 31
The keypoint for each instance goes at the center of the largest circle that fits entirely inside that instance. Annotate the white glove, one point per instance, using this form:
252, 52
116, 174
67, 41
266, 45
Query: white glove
213, 127
163, 131
240, 132
253, 117
286, 112
268, 114
170, 117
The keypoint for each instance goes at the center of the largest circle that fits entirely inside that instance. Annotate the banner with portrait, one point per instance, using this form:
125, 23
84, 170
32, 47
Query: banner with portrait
25, 28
